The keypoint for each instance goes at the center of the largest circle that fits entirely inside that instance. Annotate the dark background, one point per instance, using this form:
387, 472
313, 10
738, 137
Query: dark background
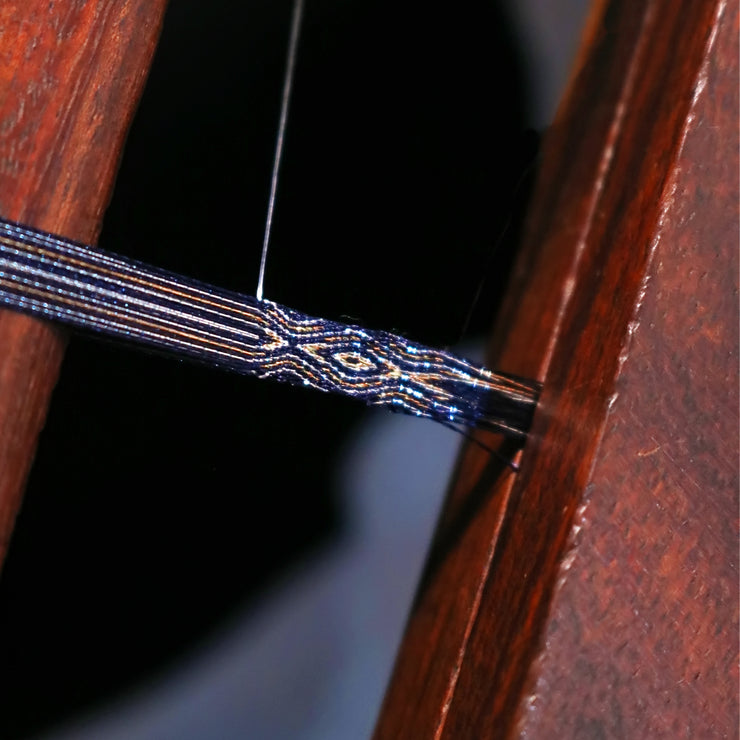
166, 495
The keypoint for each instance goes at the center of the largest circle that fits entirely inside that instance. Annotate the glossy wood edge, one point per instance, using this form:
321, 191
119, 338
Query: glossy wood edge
641, 638
478, 621
70, 79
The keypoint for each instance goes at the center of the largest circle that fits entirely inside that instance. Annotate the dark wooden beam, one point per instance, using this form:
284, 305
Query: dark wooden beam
70, 80
595, 594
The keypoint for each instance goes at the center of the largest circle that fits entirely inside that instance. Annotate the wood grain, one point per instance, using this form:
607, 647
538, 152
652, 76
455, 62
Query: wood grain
70, 78
595, 594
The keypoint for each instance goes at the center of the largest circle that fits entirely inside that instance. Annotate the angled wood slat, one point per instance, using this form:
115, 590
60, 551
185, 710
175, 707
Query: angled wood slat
595, 594
70, 78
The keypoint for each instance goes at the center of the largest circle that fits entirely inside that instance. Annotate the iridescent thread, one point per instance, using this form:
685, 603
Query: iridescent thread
57, 279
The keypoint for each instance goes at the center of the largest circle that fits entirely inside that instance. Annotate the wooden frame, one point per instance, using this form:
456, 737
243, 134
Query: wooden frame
595, 594
72, 76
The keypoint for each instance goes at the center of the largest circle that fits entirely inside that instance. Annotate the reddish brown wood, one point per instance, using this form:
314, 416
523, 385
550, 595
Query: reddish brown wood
70, 78
595, 594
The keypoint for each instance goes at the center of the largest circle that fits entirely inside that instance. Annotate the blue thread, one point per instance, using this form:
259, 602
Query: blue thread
100, 292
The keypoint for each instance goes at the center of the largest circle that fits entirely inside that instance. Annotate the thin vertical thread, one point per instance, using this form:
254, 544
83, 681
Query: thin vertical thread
284, 105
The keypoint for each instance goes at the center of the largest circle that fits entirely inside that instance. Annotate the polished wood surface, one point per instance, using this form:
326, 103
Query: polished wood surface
70, 79
595, 593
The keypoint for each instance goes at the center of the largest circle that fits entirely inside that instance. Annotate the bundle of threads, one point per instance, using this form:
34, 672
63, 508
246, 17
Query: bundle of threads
91, 290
